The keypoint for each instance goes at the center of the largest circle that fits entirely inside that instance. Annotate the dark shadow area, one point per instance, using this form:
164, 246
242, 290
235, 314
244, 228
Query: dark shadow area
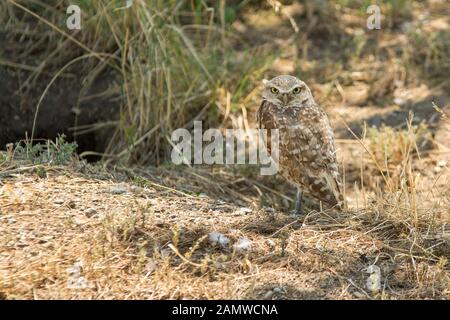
422, 110
71, 100
58, 111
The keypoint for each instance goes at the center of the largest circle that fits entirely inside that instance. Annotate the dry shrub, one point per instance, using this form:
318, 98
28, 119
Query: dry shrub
167, 60
391, 147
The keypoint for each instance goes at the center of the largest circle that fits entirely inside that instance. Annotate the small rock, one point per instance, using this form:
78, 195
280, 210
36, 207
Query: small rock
75, 279
218, 238
45, 239
373, 282
150, 267
58, 201
278, 290
243, 244
75, 268
375, 122
399, 101
245, 210
136, 189
71, 204
90, 212
159, 222
79, 221
271, 243
442, 163
117, 189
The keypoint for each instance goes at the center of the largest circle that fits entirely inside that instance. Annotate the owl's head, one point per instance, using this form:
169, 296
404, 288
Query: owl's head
286, 91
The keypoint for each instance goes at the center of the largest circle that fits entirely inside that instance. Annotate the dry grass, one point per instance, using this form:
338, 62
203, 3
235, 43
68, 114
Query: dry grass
81, 232
167, 62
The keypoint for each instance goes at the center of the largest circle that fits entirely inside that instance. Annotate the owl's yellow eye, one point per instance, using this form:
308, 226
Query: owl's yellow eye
274, 90
296, 90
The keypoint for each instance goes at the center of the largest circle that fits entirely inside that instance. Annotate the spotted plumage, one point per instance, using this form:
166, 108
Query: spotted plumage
307, 153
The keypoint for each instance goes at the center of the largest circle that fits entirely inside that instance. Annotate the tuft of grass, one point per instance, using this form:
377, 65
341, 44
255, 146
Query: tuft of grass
57, 152
428, 53
391, 146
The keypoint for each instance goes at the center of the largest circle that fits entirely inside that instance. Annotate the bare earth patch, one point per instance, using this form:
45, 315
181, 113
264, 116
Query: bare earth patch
71, 235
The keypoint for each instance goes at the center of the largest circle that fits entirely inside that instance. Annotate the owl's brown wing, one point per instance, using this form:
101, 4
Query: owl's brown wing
307, 155
307, 149
265, 120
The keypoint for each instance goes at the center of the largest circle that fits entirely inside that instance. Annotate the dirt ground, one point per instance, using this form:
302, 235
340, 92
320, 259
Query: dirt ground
80, 232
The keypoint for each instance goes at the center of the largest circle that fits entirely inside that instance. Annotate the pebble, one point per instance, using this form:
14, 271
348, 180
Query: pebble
79, 221
117, 190
278, 290
373, 282
218, 238
243, 244
150, 267
136, 189
90, 212
245, 210
442, 163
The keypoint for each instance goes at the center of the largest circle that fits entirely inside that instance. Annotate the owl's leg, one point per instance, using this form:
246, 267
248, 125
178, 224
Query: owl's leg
298, 202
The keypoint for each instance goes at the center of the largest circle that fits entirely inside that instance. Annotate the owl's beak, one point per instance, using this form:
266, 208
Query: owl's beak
285, 98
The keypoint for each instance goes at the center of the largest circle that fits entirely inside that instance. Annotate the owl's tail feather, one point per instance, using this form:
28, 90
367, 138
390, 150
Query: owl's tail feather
335, 187
327, 189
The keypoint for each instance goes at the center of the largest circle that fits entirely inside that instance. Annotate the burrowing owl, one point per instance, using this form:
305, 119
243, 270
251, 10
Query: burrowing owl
307, 154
